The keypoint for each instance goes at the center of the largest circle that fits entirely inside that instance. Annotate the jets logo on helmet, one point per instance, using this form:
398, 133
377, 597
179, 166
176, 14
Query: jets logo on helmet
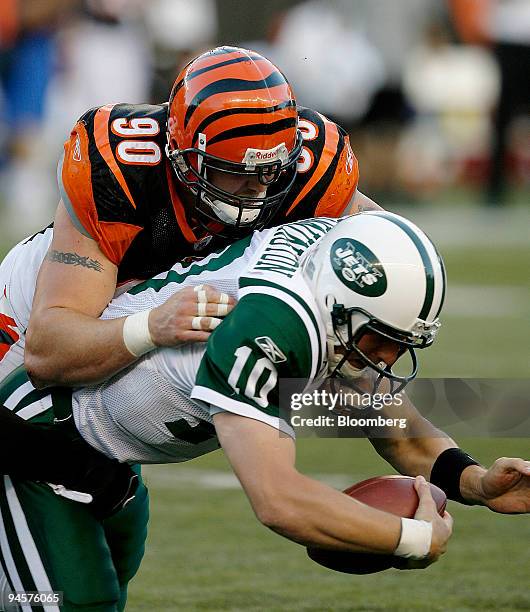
377, 272
357, 267
232, 111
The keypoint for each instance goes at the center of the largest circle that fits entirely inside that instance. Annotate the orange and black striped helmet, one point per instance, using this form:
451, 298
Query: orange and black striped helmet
232, 111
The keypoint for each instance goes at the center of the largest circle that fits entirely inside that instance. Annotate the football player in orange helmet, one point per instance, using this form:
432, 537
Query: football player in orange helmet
239, 155
233, 138
144, 186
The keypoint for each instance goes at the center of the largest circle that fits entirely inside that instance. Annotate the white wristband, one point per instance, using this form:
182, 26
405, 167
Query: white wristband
136, 334
415, 540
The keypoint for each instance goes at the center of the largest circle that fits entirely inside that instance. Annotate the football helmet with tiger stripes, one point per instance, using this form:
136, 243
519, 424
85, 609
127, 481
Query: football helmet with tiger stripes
232, 111
376, 272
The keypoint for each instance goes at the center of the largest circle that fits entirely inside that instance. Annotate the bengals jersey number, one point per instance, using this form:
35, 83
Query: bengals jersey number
328, 172
120, 189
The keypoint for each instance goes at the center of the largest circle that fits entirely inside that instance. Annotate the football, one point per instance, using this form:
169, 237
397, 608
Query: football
394, 494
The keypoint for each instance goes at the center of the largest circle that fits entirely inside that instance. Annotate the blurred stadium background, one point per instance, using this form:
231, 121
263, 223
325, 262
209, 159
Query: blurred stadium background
435, 95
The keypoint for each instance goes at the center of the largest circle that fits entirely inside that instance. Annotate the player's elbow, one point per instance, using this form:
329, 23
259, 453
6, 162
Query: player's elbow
278, 515
280, 508
37, 370
38, 362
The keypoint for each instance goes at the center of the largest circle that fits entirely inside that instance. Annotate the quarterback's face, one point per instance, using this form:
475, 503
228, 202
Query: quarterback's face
377, 348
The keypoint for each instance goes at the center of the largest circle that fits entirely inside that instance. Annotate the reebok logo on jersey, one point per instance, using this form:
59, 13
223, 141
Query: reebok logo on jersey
76, 155
349, 159
270, 349
357, 267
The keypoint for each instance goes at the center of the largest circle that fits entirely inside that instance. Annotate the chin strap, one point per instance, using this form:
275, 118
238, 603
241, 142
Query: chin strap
338, 365
339, 368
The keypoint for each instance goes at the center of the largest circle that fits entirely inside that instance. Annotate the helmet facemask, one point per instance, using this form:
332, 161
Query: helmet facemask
235, 215
351, 324
376, 273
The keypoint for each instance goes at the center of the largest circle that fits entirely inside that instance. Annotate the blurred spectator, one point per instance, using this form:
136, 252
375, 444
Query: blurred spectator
82, 54
330, 63
394, 29
356, 51
505, 24
179, 31
8, 23
59, 58
28, 48
105, 58
452, 90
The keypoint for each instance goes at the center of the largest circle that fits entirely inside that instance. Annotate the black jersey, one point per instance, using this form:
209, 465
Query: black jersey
120, 189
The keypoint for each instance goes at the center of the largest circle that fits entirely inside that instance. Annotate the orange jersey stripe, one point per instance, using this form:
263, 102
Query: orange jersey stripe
77, 180
101, 136
342, 186
114, 238
328, 152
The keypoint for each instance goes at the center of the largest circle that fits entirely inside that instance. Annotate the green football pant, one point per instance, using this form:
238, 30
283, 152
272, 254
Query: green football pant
49, 543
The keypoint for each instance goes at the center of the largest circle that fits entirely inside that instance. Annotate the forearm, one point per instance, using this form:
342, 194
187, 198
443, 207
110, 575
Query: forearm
413, 456
295, 506
418, 456
470, 487
411, 451
65, 347
311, 513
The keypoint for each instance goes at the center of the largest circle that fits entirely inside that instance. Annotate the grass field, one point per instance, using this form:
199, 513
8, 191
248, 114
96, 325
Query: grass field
206, 551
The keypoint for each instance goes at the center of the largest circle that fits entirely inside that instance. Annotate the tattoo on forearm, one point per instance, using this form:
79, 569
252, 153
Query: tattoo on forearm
74, 259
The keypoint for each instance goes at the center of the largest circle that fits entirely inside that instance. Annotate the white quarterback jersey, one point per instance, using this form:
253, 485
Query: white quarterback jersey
161, 409
18, 277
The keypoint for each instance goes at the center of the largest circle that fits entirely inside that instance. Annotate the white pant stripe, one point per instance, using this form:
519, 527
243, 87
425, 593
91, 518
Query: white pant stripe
36, 408
8, 558
19, 394
27, 544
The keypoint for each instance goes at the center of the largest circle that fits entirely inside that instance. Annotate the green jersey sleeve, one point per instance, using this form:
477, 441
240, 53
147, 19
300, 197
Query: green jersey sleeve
263, 340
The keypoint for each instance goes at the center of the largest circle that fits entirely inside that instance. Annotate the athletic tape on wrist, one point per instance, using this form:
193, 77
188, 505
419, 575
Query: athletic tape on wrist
136, 335
415, 540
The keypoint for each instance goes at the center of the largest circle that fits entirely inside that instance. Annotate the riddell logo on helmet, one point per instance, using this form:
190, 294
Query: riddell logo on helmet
358, 268
254, 157
265, 155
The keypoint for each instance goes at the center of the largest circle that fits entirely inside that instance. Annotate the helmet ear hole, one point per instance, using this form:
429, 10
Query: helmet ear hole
330, 301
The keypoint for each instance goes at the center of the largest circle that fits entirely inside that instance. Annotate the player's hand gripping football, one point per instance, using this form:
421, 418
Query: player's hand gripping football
189, 315
442, 527
504, 488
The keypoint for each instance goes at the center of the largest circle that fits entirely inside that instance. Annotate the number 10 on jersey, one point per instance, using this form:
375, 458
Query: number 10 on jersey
238, 379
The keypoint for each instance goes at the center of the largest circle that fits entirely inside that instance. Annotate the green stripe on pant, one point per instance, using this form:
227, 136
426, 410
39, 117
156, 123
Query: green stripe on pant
49, 540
